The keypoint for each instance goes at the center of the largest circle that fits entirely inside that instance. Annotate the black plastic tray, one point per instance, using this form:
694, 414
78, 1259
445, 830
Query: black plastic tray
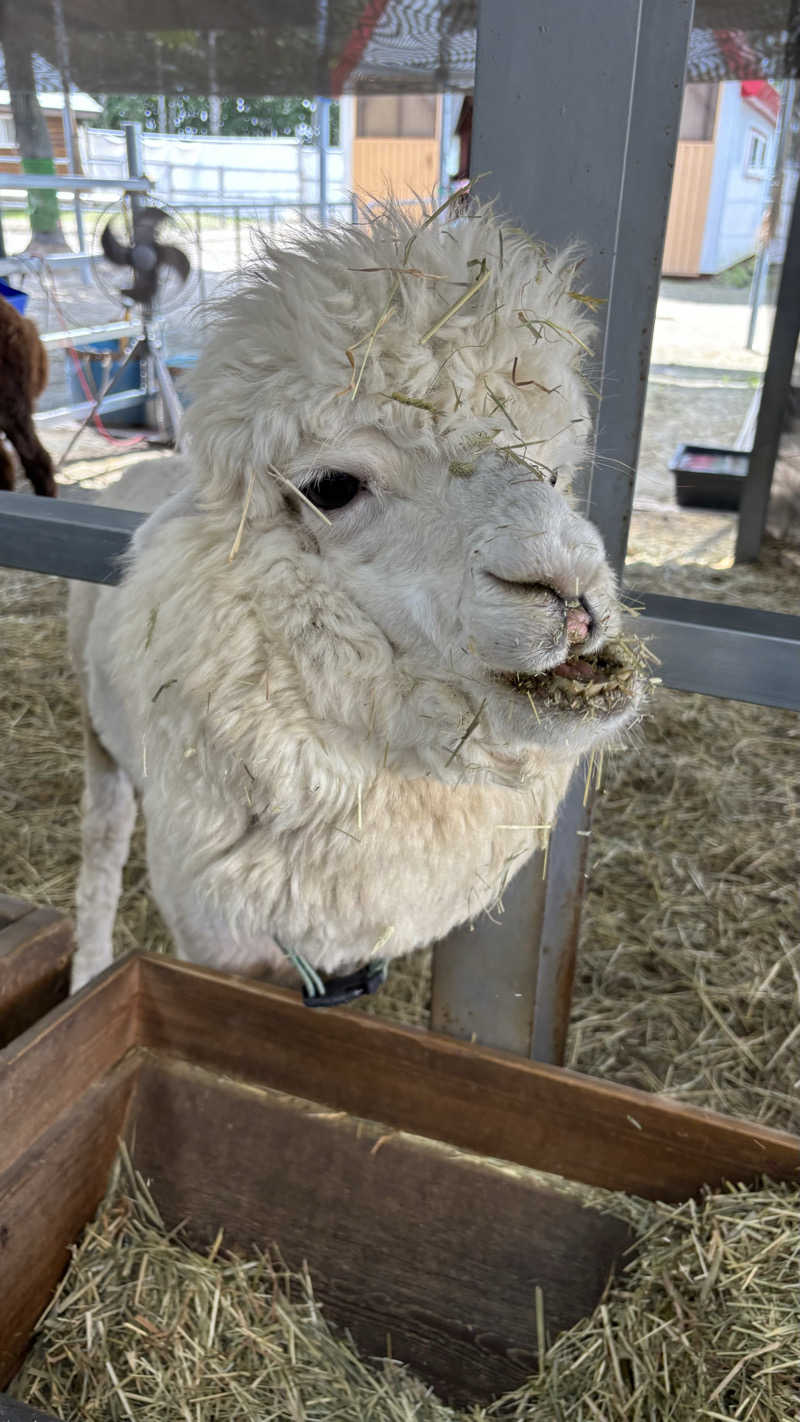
708, 476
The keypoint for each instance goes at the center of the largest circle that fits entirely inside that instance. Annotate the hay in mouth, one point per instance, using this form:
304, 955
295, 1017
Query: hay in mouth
600, 681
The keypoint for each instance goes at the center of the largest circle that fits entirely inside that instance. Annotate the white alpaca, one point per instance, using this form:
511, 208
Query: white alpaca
353, 660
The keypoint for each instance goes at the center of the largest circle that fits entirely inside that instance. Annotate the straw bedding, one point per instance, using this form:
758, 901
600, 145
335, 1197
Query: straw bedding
701, 1324
688, 982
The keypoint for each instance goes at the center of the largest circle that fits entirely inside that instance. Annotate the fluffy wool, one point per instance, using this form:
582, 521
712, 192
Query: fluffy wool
323, 712
23, 376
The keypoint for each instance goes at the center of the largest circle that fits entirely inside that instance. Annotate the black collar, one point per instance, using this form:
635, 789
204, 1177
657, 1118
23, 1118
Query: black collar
362, 983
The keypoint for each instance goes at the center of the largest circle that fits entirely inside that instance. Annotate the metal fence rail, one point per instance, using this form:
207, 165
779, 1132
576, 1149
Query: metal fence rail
742, 653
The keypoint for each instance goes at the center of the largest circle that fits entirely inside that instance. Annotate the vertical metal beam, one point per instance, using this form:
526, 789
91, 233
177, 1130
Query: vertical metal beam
62, 48
634, 264
448, 111
577, 110
134, 152
323, 108
777, 380
771, 215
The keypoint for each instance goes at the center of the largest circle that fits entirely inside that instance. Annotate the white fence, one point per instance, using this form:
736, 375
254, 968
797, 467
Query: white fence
250, 171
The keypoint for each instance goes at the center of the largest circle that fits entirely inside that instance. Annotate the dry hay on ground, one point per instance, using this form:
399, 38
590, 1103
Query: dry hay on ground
41, 764
707, 573
688, 975
689, 964
701, 1323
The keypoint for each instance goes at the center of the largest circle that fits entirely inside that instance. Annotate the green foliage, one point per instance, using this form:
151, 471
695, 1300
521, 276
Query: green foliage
126, 108
241, 118
738, 276
42, 202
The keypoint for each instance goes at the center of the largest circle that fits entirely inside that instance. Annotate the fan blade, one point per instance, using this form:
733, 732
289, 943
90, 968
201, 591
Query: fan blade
145, 286
146, 222
173, 257
113, 249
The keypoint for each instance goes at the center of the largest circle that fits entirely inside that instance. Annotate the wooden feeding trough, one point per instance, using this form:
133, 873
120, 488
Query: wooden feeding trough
36, 946
325, 1133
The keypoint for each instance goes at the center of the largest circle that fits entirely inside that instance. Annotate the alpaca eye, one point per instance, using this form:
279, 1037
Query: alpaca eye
332, 489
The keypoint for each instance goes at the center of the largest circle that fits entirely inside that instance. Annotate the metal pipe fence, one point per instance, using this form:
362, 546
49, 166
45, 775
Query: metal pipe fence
209, 218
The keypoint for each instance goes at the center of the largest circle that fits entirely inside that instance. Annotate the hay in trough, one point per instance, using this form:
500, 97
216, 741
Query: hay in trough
700, 1323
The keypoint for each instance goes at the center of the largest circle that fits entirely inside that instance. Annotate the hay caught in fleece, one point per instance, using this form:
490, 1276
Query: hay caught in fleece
689, 965
701, 1323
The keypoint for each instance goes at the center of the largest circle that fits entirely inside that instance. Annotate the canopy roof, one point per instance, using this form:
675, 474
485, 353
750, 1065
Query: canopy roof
81, 104
255, 47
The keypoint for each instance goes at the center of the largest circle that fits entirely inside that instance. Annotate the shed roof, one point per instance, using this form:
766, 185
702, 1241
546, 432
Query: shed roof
81, 104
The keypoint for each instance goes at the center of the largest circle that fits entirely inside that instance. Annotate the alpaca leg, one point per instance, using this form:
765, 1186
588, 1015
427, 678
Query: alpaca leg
109, 814
35, 460
7, 476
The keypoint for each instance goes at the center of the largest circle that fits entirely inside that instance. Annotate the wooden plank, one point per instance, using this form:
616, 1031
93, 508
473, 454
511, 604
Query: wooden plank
487, 1101
405, 1240
46, 1197
36, 946
404, 166
46, 1070
11, 909
688, 208
13, 1411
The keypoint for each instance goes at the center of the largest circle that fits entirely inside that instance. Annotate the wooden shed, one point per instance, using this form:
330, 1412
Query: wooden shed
84, 109
396, 144
721, 179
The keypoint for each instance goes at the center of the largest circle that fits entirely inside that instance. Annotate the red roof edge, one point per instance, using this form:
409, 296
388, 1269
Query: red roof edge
356, 44
762, 96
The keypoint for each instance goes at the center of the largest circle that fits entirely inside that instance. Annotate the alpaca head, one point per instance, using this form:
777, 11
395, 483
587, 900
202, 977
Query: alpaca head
394, 404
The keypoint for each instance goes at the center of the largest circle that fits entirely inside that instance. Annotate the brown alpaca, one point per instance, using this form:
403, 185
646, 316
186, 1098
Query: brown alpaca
23, 376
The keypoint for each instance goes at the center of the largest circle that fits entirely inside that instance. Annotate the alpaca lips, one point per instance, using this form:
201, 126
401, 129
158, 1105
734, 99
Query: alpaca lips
608, 676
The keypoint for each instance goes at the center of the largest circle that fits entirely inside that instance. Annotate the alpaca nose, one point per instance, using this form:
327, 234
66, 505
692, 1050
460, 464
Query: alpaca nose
579, 621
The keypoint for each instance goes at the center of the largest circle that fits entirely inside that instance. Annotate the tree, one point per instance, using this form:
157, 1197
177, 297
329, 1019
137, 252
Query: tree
239, 117
33, 138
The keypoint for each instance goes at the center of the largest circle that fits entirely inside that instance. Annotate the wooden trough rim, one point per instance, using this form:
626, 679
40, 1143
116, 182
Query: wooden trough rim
476, 1098
36, 941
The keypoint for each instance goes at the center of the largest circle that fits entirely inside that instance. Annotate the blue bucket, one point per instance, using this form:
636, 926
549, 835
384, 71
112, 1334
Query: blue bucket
96, 373
15, 298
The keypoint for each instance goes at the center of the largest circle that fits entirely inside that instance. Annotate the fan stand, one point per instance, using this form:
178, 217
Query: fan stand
147, 349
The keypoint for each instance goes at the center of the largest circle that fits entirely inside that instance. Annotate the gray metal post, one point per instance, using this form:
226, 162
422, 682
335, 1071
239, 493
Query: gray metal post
62, 48
576, 119
323, 107
772, 209
449, 111
777, 380
134, 152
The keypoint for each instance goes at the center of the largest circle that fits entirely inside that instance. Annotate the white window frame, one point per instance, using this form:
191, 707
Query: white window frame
751, 170
8, 133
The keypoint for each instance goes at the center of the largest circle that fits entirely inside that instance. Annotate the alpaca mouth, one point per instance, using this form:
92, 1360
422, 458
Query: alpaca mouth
605, 681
